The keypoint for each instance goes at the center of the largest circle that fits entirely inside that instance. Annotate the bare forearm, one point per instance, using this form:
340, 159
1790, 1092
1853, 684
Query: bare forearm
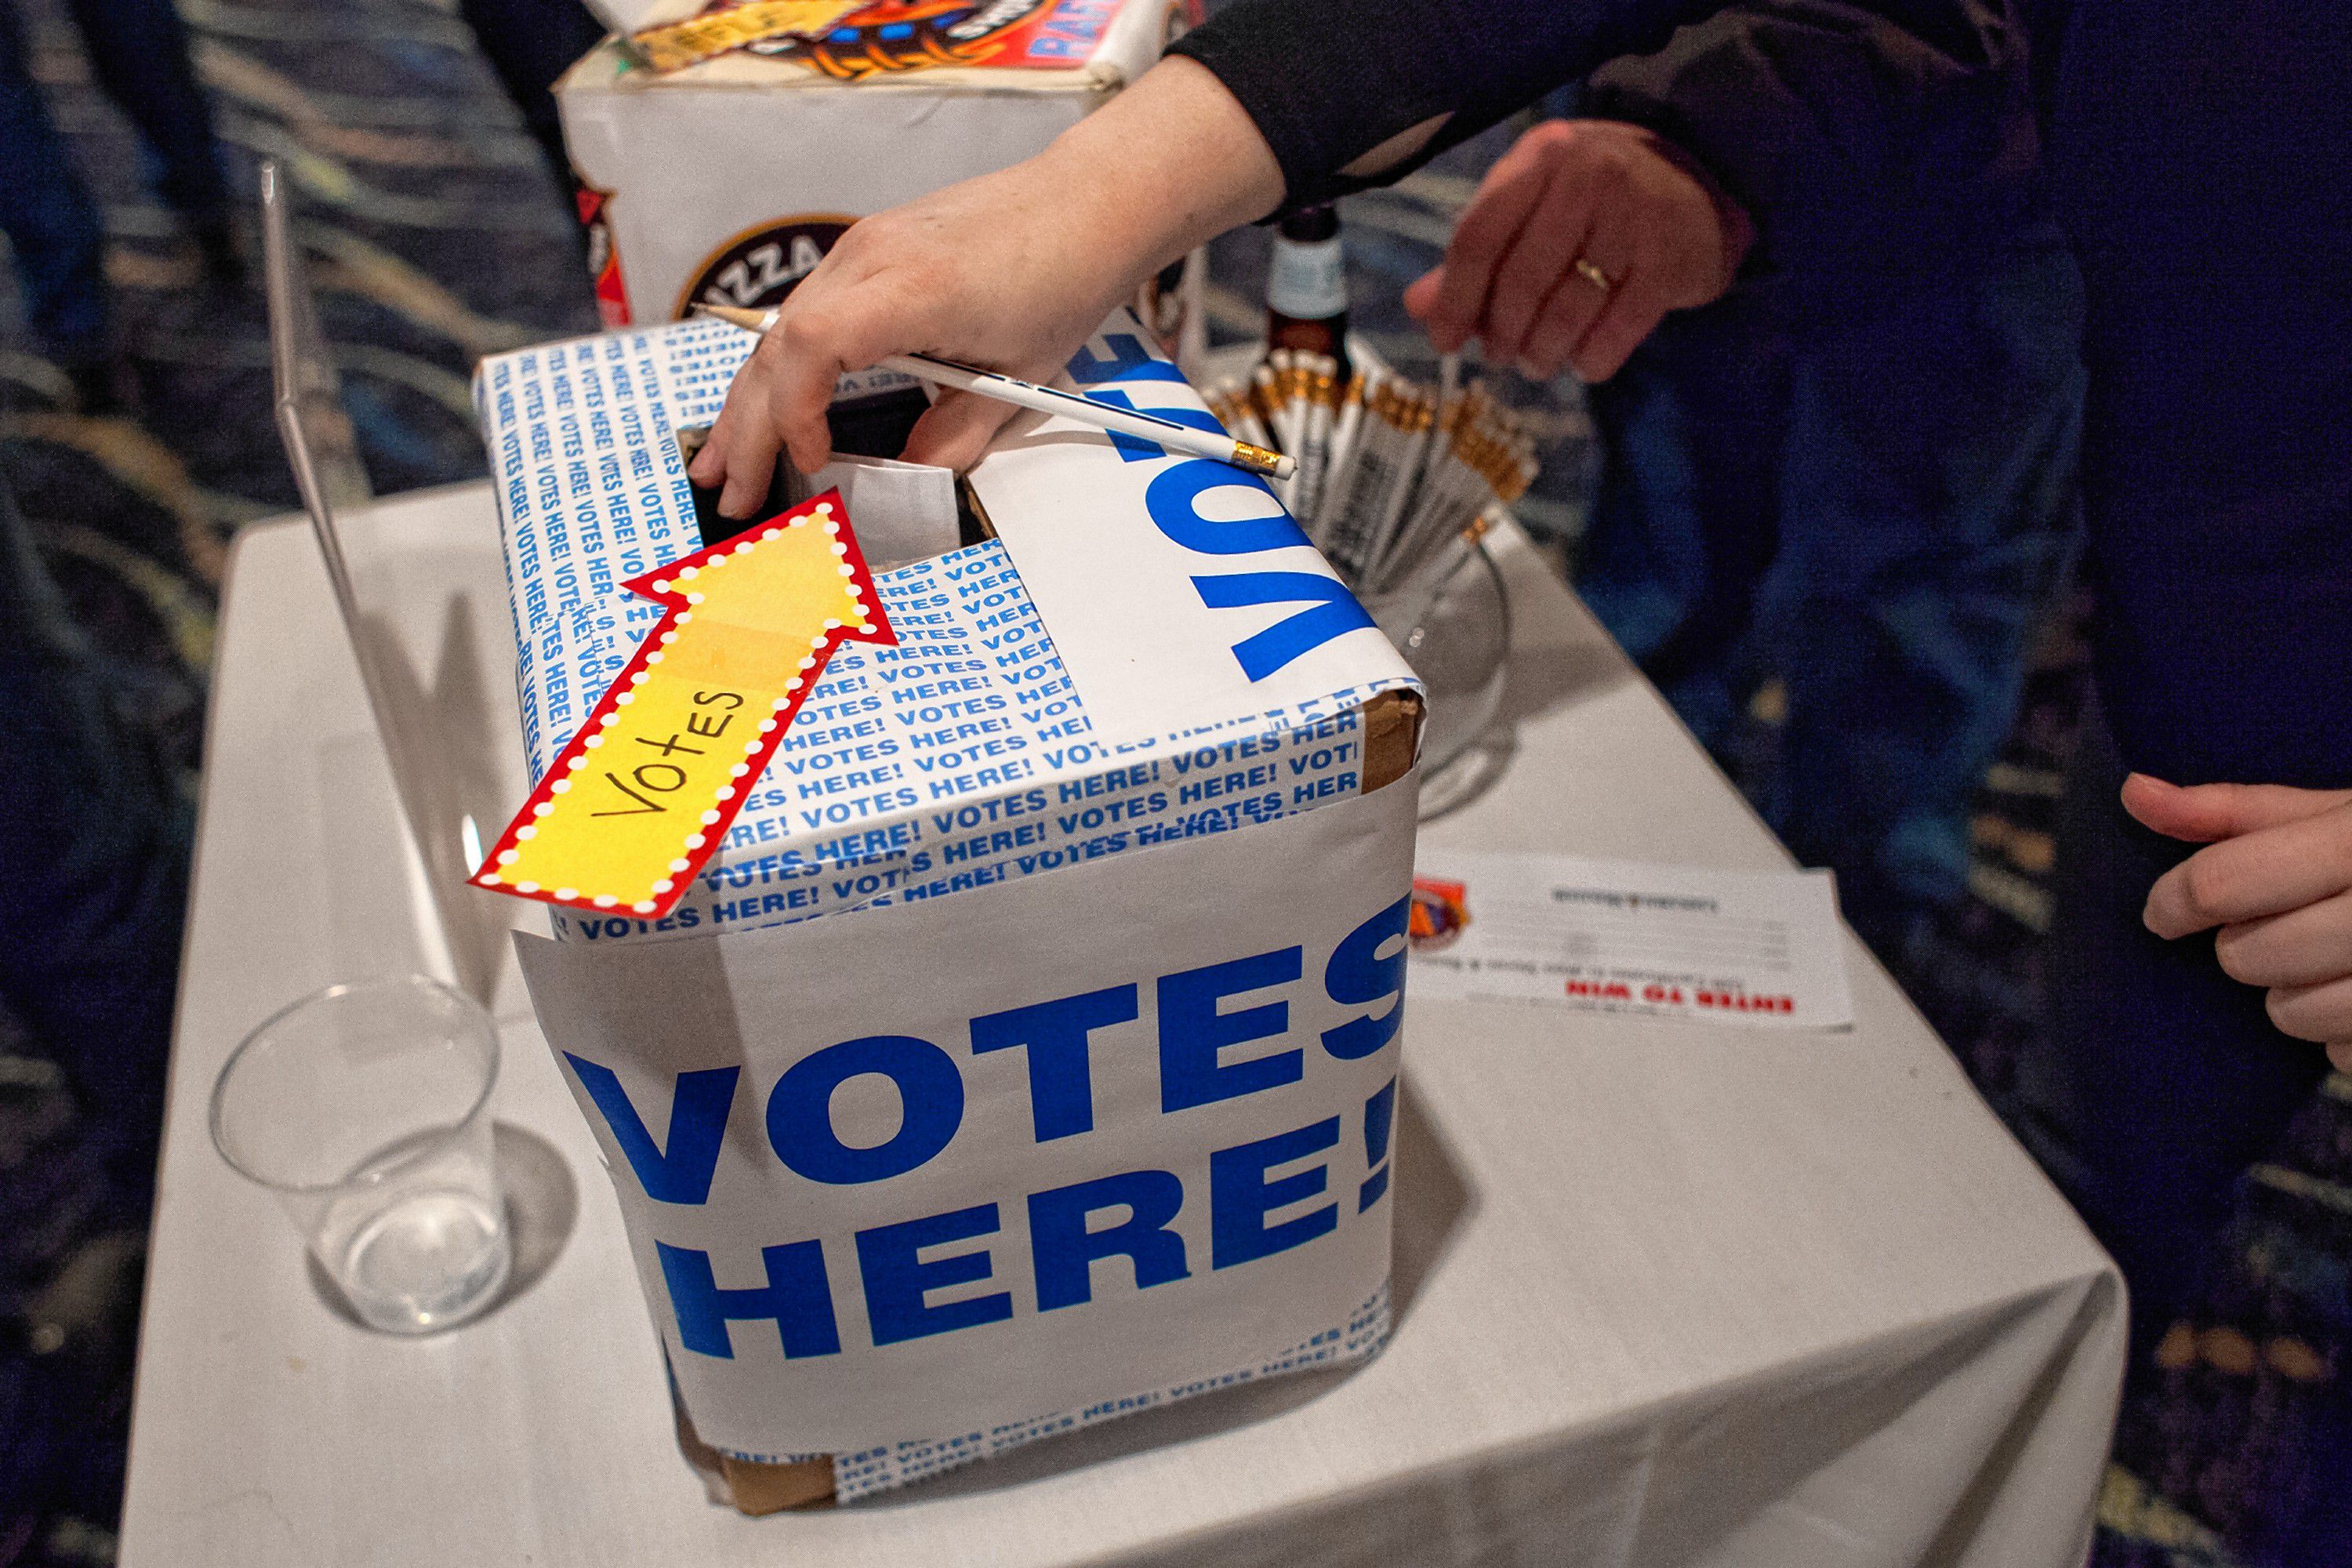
1168, 165
1011, 271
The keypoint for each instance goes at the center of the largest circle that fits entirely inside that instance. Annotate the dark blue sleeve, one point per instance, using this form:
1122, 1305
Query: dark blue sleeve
1822, 112
1328, 80
1862, 140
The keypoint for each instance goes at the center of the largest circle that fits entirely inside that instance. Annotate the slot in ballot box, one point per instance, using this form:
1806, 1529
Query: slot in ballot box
1026, 1052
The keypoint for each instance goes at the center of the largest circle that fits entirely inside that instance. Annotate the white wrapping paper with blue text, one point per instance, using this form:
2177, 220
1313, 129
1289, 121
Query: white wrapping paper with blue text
912, 1169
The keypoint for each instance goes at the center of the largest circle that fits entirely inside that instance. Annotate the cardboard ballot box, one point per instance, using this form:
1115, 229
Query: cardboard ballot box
727, 180
1026, 1053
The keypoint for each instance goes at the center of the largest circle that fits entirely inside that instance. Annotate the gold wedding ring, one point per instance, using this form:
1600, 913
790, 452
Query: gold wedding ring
1593, 275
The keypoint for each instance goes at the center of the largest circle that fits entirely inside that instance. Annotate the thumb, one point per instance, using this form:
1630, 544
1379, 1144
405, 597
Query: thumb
2203, 814
954, 431
1421, 294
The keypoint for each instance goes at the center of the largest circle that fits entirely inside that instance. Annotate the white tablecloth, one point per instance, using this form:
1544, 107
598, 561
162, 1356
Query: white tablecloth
1668, 1293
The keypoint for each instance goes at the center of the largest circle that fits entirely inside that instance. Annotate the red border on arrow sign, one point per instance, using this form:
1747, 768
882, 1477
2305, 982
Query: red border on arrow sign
673, 598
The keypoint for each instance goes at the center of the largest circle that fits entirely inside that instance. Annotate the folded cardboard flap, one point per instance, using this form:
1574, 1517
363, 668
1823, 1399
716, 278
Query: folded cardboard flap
756, 1488
749, 1485
1392, 737
904, 512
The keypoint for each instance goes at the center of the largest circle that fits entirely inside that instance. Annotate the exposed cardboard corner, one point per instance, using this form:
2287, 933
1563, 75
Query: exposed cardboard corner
756, 1488
975, 516
753, 1488
1392, 737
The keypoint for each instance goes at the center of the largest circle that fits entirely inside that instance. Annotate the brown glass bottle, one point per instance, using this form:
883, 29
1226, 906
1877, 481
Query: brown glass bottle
1307, 287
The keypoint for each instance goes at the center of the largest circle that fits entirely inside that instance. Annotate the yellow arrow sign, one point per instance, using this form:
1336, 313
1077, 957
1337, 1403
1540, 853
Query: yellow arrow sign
645, 793
680, 44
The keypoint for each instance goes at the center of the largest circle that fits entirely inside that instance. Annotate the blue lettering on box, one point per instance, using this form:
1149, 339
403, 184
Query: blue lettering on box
797, 1298
1255, 1207
681, 1173
1128, 360
1240, 1196
1173, 501
800, 1108
897, 1279
1332, 613
1379, 1120
1064, 1250
1171, 498
1357, 975
1061, 1086
1135, 448
1192, 1031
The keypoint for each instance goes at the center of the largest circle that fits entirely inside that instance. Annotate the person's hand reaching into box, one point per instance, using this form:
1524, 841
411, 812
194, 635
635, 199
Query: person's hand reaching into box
993, 272
2276, 879
1580, 239
1010, 271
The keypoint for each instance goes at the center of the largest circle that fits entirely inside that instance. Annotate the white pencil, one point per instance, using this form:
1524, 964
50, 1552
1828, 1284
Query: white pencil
1046, 400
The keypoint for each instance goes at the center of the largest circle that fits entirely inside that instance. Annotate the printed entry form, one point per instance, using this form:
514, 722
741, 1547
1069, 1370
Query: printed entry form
1617, 936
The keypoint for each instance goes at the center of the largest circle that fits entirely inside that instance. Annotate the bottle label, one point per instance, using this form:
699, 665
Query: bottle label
1308, 282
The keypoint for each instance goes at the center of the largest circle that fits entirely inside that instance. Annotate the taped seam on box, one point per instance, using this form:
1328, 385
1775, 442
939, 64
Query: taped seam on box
763, 1487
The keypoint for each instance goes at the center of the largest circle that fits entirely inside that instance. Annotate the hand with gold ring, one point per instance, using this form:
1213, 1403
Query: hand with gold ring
1579, 240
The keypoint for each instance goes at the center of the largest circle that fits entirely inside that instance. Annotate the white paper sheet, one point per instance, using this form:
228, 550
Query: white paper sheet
903, 511
1619, 936
1215, 610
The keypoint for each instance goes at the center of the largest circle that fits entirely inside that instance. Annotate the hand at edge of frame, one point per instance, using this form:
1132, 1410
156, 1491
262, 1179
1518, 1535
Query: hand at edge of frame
2273, 883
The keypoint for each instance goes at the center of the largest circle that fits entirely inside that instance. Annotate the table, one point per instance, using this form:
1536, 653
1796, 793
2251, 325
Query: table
1669, 1293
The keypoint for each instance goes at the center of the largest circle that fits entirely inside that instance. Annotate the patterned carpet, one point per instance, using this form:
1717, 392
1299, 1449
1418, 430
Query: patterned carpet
434, 235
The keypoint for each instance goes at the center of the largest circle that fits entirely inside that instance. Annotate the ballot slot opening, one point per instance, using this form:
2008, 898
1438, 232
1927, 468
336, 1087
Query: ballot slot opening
904, 512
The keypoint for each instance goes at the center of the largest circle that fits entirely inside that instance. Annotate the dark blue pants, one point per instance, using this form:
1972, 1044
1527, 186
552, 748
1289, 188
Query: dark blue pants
94, 843
530, 43
2160, 1078
139, 52
2158, 1081
1872, 511
93, 876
